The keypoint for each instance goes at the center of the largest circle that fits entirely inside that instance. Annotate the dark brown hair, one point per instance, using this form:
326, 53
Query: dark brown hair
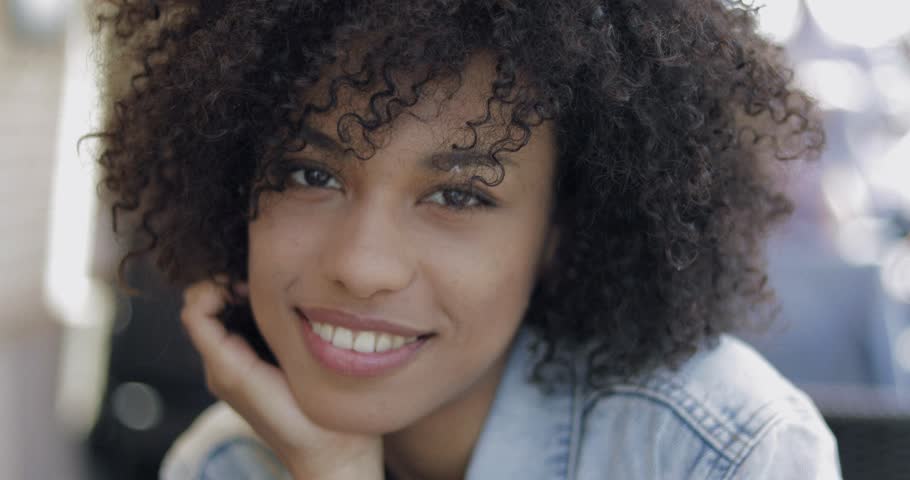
671, 117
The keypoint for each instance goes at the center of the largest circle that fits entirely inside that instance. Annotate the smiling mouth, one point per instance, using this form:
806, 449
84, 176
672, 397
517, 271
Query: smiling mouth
363, 341
360, 352
358, 334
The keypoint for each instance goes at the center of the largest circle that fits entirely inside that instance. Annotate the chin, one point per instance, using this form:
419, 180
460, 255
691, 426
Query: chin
362, 417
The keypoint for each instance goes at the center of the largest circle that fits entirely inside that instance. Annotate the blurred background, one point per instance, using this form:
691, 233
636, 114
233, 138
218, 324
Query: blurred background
95, 385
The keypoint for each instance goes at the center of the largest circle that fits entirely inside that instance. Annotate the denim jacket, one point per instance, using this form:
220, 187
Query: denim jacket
724, 414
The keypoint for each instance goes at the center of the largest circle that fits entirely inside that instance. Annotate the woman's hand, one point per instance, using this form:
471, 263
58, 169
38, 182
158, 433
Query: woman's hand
259, 392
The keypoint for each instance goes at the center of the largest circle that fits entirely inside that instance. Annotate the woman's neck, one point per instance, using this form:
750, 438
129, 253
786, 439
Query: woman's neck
439, 446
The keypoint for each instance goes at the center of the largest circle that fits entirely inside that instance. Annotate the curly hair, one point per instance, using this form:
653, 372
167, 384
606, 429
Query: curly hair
671, 118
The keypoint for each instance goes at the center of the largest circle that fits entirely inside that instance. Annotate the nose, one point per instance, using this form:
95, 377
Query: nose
367, 254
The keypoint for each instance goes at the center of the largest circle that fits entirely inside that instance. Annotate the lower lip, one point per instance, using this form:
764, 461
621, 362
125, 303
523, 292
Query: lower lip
357, 364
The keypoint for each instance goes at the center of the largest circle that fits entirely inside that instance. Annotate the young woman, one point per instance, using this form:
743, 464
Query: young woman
479, 239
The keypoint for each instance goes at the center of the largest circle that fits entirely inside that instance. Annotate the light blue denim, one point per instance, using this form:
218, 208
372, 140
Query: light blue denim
724, 414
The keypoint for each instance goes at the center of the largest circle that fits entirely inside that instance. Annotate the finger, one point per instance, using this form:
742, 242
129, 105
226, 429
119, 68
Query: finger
235, 289
199, 317
263, 397
233, 370
228, 359
242, 289
257, 390
230, 366
202, 303
205, 298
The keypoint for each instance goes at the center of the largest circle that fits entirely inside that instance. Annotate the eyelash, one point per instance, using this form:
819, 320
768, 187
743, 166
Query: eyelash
297, 175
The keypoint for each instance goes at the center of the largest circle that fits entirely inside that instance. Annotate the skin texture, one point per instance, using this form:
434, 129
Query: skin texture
259, 392
670, 119
645, 135
384, 242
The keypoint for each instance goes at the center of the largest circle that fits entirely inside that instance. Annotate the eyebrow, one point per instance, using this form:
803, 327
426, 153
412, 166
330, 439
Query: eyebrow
321, 140
439, 161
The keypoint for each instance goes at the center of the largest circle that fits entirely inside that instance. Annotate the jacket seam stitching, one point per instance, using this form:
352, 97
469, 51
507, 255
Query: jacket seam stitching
575, 433
760, 435
689, 419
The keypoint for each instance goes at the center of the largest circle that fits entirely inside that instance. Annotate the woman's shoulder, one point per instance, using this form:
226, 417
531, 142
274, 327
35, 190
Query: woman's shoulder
729, 376
220, 445
726, 409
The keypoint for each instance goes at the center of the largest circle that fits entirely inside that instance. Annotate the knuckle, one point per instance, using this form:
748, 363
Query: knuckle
220, 385
195, 290
193, 287
212, 386
189, 295
186, 316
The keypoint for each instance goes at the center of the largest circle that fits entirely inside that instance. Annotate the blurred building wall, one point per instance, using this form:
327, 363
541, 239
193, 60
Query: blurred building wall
30, 81
31, 445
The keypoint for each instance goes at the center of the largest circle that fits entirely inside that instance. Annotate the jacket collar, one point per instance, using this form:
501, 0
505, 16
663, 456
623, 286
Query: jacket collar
528, 433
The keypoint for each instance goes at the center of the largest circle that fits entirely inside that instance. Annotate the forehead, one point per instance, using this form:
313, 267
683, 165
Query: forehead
447, 110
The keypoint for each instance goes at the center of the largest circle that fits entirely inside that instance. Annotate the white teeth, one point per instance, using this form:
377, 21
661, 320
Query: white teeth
365, 342
361, 341
324, 330
383, 342
343, 338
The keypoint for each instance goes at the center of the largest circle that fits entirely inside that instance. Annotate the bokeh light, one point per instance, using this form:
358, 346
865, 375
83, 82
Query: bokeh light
864, 240
870, 23
902, 349
890, 172
837, 84
137, 405
845, 192
40, 17
893, 83
780, 19
896, 273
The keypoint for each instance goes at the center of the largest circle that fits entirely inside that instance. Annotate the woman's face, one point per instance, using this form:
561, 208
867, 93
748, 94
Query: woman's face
398, 238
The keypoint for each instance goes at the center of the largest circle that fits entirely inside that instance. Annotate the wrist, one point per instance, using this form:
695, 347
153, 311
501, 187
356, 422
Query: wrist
343, 472
368, 466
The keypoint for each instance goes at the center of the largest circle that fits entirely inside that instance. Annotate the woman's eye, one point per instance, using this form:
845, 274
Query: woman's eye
457, 199
314, 177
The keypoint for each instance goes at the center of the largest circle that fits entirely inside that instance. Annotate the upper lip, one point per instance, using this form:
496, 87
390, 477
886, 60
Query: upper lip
355, 322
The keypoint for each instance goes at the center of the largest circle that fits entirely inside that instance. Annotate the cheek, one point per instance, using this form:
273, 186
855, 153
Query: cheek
278, 246
485, 285
280, 241
266, 250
